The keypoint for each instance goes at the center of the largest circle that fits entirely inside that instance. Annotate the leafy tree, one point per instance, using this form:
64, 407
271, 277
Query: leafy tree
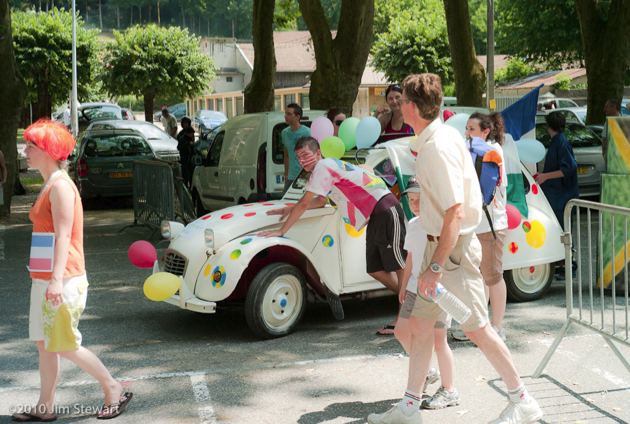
469, 73
151, 60
606, 47
515, 68
12, 95
43, 50
544, 31
414, 43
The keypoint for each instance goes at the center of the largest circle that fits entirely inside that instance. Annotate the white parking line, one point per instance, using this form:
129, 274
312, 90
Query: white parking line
202, 396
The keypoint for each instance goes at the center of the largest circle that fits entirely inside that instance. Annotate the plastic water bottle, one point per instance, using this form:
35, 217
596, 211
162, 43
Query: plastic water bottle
451, 304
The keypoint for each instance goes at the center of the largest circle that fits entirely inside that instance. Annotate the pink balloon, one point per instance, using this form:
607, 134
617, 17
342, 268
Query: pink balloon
321, 128
142, 254
514, 216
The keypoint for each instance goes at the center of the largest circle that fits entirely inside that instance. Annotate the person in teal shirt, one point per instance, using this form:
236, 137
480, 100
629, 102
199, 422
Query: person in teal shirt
295, 130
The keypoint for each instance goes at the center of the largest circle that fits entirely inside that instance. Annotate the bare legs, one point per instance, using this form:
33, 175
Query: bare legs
421, 352
446, 363
392, 281
49, 366
498, 300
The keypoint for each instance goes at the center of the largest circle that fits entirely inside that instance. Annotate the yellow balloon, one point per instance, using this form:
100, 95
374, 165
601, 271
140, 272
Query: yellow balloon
537, 235
352, 232
161, 286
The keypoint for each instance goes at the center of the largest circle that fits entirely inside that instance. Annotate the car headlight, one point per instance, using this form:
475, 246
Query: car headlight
209, 238
170, 229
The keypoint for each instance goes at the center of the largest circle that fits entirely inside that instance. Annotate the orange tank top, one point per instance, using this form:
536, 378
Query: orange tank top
41, 216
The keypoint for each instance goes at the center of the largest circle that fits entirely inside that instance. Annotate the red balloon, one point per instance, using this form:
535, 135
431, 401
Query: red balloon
142, 254
514, 216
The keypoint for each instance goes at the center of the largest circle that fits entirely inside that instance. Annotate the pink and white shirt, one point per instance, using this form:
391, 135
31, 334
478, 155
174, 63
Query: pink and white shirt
352, 190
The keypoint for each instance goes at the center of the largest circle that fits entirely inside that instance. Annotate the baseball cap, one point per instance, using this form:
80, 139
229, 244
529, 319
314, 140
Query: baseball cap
412, 186
165, 108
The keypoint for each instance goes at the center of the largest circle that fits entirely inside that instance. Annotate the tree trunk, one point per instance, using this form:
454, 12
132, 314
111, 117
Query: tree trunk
12, 95
469, 73
100, 14
131, 16
606, 44
158, 5
118, 17
148, 106
87, 13
340, 63
183, 19
259, 93
140, 14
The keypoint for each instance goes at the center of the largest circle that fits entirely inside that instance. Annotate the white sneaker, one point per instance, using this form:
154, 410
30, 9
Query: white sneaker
520, 413
500, 332
395, 416
432, 377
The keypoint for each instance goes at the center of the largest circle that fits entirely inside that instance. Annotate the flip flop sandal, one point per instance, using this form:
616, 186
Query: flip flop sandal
115, 409
23, 418
387, 327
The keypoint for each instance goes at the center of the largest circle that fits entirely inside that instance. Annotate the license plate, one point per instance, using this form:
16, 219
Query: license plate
120, 174
582, 169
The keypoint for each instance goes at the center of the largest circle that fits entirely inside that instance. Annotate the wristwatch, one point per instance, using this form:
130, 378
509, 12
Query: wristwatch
436, 267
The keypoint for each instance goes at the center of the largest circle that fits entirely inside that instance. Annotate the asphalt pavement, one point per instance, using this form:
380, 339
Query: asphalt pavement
189, 367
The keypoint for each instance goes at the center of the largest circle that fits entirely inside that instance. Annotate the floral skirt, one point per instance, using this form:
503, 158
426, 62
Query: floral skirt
58, 325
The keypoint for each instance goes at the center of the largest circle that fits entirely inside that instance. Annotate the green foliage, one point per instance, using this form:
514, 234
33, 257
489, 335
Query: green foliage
515, 68
43, 51
564, 81
578, 87
544, 31
153, 60
448, 90
415, 43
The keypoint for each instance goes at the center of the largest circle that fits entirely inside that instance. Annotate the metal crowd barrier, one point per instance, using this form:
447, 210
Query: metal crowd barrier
605, 310
184, 206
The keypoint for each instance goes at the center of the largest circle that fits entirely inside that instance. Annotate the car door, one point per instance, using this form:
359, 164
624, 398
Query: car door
206, 178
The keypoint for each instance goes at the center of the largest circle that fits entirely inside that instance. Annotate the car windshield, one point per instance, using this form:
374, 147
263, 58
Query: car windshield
115, 145
208, 114
102, 112
582, 115
577, 134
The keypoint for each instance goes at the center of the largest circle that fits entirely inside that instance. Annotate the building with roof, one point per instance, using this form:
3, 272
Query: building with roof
295, 62
521, 87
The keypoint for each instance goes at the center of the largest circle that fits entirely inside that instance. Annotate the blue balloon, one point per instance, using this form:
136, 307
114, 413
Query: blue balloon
368, 131
530, 150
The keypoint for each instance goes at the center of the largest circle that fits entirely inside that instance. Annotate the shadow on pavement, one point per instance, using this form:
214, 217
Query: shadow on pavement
358, 410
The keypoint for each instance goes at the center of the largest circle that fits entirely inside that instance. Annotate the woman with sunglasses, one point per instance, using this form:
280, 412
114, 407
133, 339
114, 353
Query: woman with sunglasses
336, 116
390, 116
59, 282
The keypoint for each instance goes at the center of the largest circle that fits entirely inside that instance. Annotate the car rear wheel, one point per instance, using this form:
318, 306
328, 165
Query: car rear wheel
529, 283
275, 301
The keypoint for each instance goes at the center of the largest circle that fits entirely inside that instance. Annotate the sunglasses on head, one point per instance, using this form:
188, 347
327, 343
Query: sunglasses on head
339, 122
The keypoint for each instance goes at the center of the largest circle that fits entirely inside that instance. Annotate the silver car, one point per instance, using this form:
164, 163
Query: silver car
587, 148
164, 146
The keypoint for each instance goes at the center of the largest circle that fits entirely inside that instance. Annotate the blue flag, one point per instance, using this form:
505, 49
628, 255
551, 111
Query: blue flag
520, 117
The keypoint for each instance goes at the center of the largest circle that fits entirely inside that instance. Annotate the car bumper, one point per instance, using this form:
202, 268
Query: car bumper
89, 190
193, 304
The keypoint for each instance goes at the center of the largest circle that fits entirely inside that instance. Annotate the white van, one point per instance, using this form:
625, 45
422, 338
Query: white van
245, 162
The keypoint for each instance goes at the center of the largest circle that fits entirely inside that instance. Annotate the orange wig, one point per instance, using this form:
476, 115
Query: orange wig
51, 136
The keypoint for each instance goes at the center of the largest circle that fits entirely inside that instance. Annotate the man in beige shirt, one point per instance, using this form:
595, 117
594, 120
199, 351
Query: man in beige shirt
450, 210
169, 122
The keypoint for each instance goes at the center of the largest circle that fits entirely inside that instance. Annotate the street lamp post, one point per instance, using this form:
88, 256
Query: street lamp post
73, 110
490, 57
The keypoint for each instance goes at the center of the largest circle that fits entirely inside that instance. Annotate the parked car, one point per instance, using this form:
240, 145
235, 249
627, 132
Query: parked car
128, 115
557, 103
205, 121
221, 260
245, 162
102, 163
178, 111
89, 113
587, 148
164, 146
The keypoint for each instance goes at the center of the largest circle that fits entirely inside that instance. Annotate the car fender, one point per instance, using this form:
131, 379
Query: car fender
220, 274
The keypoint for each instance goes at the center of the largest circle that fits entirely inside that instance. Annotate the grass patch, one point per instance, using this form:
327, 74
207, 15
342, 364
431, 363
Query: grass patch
33, 184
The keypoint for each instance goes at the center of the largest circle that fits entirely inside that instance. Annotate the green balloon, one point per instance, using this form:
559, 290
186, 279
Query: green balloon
347, 132
332, 147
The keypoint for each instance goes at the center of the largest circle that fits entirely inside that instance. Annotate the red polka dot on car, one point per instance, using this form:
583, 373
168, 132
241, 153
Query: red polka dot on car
249, 204
250, 214
534, 189
532, 269
227, 216
289, 204
206, 217
268, 204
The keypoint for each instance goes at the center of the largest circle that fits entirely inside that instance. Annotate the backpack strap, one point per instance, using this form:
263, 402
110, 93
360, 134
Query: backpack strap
485, 209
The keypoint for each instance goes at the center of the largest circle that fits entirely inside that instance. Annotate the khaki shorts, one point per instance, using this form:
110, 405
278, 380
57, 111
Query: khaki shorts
405, 312
492, 257
58, 325
461, 277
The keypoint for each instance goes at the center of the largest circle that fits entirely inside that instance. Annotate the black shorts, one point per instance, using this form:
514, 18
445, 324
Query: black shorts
384, 241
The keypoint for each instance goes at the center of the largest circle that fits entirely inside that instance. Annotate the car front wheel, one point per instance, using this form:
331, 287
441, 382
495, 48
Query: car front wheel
275, 300
529, 283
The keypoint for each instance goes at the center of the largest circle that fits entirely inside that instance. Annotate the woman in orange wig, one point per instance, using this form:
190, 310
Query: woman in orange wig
59, 289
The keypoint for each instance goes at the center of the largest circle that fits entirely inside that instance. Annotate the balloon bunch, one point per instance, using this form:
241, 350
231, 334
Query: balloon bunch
159, 286
352, 133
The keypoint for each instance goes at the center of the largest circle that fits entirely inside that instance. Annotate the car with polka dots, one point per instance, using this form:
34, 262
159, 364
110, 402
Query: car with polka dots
220, 259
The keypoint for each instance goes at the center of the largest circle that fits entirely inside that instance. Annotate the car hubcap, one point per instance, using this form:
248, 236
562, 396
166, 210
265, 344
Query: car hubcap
531, 279
282, 302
